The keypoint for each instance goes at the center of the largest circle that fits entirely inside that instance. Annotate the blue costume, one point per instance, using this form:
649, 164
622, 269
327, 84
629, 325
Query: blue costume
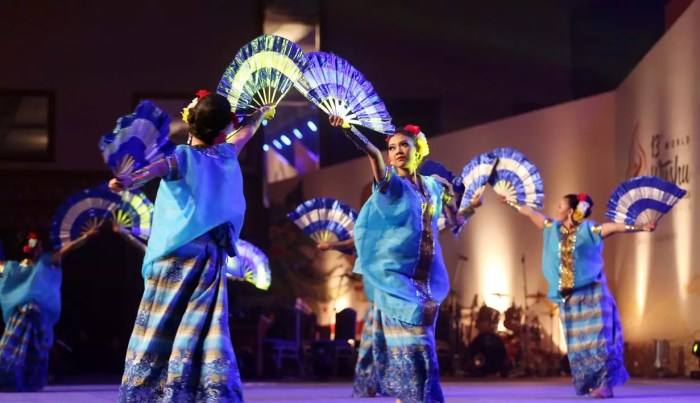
180, 348
30, 297
406, 279
572, 263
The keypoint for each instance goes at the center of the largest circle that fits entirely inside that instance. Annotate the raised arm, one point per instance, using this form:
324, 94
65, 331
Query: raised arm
375, 156
611, 228
535, 216
240, 137
158, 169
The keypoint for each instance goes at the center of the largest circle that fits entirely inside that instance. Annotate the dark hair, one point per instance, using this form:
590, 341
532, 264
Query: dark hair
572, 199
209, 117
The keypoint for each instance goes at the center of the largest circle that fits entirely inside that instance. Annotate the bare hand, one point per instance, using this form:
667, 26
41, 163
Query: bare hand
116, 227
337, 121
323, 246
476, 201
120, 184
92, 232
503, 199
650, 226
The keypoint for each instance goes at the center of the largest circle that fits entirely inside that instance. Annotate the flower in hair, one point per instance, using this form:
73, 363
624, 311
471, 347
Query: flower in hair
581, 208
186, 110
413, 129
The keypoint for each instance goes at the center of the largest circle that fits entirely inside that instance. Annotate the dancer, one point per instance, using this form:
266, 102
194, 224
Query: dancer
572, 263
401, 261
180, 348
30, 297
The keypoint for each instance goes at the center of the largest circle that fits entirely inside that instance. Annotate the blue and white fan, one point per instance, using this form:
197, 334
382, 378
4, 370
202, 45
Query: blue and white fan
437, 170
339, 89
134, 214
81, 212
261, 73
475, 176
325, 219
251, 265
642, 200
516, 178
139, 139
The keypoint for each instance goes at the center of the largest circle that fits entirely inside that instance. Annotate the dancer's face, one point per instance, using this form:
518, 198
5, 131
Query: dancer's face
564, 211
402, 152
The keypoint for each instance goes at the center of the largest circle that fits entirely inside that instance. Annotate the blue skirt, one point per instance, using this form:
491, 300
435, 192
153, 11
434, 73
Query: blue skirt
593, 338
180, 349
24, 350
397, 359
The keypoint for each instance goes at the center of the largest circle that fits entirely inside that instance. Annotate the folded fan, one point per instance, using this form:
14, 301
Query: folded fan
81, 212
516, 178
251, 265
339, 89
325, 219
138, 139
475, 176
134, 214
642, 200
261, 73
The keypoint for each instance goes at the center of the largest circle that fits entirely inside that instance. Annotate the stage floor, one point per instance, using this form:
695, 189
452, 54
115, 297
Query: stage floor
496, 390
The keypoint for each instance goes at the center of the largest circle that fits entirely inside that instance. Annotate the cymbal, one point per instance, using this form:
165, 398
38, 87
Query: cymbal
498, 294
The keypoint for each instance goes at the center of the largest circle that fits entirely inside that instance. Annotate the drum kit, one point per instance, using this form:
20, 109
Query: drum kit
512, 343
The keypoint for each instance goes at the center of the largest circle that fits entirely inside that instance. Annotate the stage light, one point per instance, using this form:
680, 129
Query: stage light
266, 147
312, 126
297, 133
264, 122
286, 140
277, 144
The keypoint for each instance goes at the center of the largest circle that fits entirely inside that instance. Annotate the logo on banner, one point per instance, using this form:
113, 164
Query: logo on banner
668, 157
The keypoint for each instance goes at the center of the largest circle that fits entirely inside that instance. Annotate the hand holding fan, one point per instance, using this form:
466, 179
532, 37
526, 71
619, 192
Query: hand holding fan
642, 200
261, 74
516, 178
325, 219
80, 213
134, 214
475, 176
338, 89
251, 265
138, 140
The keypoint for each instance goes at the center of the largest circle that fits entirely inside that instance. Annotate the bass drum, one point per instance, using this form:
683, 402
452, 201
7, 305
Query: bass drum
487, 355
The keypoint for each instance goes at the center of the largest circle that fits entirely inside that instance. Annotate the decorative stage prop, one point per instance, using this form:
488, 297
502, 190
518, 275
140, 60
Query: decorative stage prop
138, 140
339, 89
261, 73
251, 265
642, 200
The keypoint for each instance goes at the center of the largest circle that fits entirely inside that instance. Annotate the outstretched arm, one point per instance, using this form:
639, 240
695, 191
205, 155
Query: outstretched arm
535, 216
158, 169
611, 228
240, 137
375, 156
130, 239
346, 244
72, 245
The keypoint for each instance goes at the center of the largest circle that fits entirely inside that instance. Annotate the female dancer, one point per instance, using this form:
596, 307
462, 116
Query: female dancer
180, 349
572, 263
30, 297
403, 270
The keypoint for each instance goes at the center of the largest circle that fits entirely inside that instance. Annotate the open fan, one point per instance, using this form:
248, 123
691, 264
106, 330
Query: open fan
335, 86
642, 200
325, 219
134, 214
437, 170
261, 73
475, 176
138, 139
516, 178
81, 212
249, 265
